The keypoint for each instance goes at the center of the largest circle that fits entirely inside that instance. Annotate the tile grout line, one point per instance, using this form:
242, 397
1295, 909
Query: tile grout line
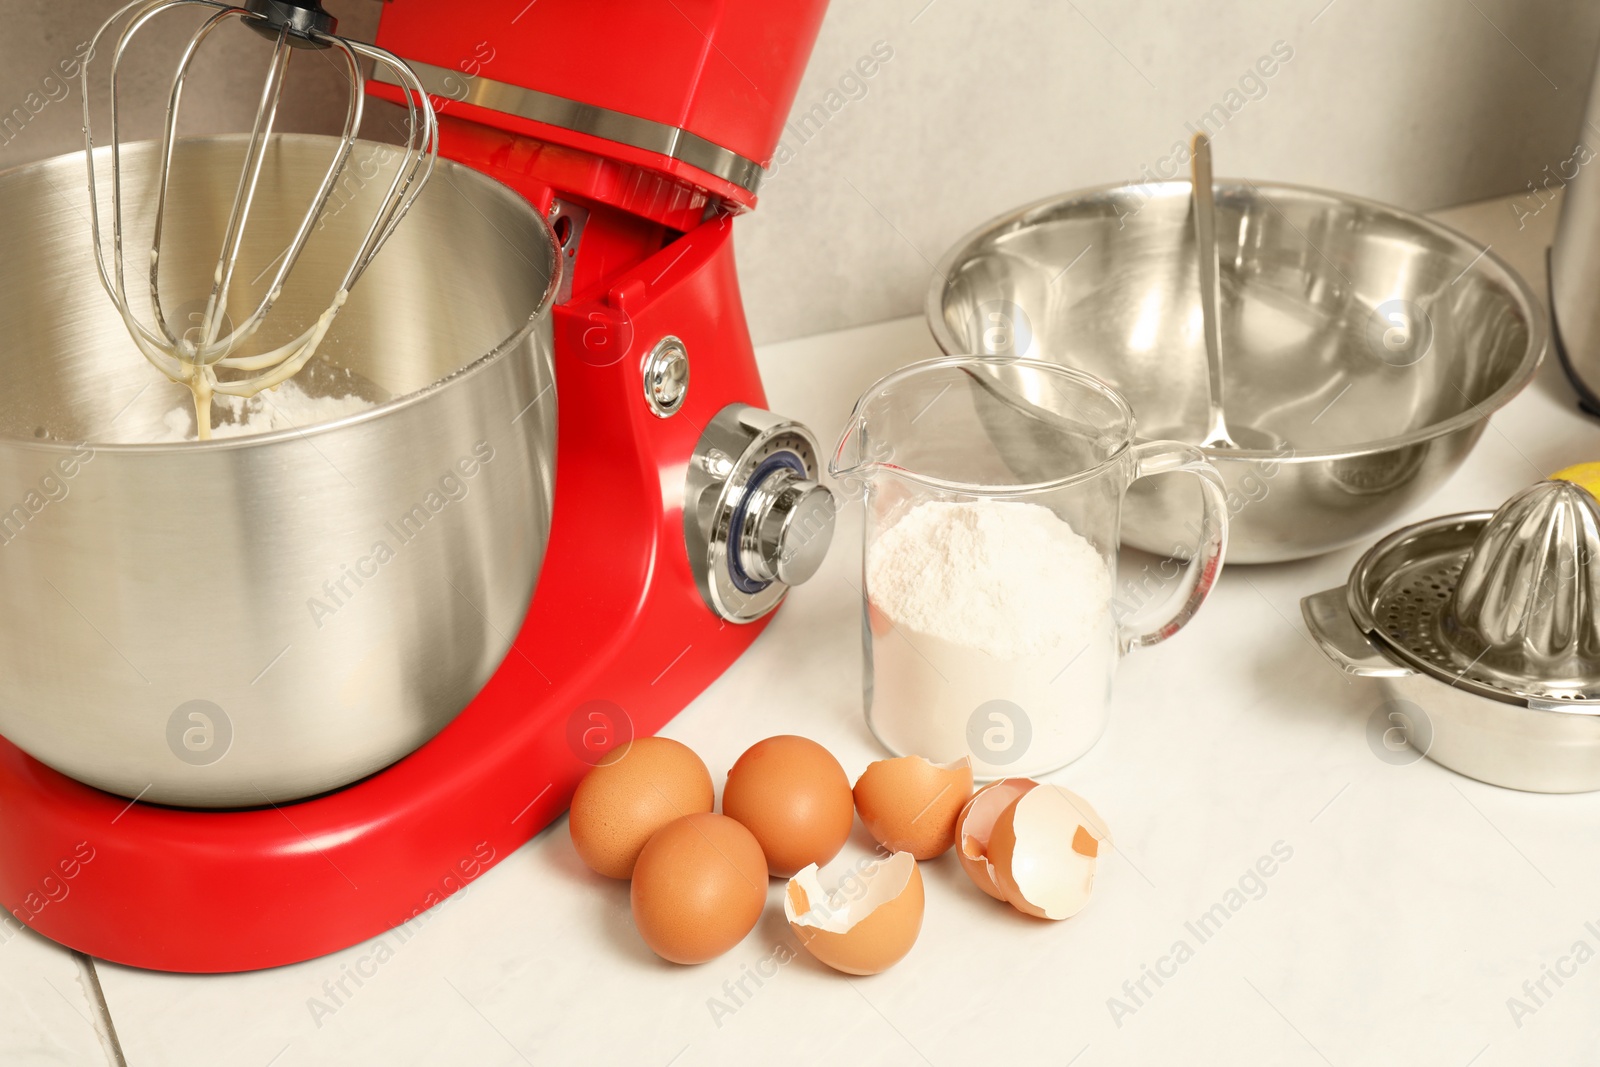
105, 1028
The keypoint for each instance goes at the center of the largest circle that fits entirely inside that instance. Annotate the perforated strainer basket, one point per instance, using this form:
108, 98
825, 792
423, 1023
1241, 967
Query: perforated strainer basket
1482, 631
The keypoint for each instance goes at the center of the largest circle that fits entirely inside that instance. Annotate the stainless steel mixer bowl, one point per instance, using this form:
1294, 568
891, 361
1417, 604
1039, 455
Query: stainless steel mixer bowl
261, 619
1375, 342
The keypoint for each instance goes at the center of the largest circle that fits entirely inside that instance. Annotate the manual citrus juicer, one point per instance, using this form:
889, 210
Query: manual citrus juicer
683, 510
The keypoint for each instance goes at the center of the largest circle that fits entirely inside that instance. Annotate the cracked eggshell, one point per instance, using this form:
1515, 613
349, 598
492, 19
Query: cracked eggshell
975, 824
911, 805
867, 925
1044, 850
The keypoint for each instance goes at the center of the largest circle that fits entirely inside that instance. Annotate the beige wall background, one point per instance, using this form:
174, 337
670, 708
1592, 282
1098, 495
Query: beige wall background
38, 36
984, 106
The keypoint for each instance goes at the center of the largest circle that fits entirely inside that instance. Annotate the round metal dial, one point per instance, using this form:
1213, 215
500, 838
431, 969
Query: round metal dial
756, 520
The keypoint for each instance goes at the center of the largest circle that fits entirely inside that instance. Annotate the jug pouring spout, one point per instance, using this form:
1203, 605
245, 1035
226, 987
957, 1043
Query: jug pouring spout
849, 456
861, 453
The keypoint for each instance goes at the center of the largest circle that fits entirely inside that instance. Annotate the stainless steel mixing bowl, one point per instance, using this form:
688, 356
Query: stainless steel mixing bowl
266, 618
1375, 342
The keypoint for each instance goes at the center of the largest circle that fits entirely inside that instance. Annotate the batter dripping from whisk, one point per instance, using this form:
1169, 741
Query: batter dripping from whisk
196, 361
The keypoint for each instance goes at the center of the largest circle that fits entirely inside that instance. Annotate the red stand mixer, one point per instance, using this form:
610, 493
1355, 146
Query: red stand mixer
683, 510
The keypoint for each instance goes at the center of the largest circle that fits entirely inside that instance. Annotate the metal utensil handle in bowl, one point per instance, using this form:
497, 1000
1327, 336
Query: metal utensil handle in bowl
1205, 239
1166, 457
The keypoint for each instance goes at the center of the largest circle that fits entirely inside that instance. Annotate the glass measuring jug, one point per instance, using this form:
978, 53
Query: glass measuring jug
993, 493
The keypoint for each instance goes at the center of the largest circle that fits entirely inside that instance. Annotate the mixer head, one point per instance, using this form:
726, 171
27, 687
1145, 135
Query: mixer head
207, 357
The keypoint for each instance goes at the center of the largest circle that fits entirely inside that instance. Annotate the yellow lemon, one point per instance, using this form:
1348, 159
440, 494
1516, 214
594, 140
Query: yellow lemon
1584, 474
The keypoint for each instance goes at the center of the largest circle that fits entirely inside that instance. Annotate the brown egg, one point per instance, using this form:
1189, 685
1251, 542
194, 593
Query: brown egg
636, 790
975, 824
1044, 850
793, 795
864, 927
910, 805
698, 888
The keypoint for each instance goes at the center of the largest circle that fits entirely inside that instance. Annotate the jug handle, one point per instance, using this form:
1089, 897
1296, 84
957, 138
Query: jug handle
1205, 564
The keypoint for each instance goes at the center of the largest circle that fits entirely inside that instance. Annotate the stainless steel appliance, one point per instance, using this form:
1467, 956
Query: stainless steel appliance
1575, 260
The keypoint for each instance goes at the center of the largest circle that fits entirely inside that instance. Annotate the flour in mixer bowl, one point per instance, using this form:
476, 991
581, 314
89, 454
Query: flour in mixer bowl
991, 636
288, 407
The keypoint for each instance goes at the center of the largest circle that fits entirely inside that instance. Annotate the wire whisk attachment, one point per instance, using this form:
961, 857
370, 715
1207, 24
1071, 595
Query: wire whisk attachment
207, 356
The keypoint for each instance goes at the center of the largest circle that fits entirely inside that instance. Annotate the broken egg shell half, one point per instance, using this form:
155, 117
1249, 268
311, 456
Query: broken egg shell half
911, 805
868, 924
976, 823
1044, 850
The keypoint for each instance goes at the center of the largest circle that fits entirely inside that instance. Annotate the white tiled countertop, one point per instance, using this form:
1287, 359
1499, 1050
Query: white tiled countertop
1412, 905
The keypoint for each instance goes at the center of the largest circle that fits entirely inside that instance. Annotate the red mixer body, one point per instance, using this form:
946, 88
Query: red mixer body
695, 91
646, 137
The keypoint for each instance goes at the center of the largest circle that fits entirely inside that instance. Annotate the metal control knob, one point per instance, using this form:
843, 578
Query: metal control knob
787, 529
756, 520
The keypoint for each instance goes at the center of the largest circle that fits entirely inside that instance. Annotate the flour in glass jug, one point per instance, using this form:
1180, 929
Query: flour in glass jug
990, 636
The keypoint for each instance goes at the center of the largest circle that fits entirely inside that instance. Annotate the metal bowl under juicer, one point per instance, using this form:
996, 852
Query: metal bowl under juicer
1483, 630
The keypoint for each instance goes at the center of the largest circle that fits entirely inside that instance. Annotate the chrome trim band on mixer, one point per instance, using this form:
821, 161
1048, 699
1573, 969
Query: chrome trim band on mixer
671, 141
